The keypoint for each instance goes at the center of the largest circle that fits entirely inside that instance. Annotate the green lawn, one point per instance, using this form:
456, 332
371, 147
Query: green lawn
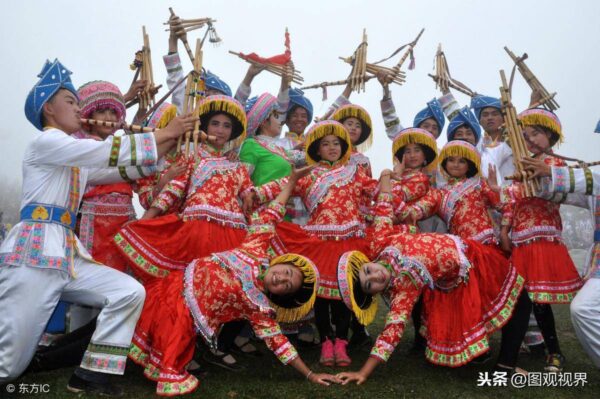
406, 375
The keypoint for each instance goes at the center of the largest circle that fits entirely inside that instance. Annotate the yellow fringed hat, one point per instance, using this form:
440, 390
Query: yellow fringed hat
460, 148
544, 118
322, 129
294, 307
364, 306
414, 135
223, 104
164, 114
356, 111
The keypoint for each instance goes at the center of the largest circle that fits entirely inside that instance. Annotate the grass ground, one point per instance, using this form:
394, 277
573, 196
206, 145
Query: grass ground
406, 375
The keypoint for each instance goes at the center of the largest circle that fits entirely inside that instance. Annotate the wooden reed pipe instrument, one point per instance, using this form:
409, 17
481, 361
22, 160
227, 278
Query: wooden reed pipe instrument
411, 46
533, 82
184, 40
515, 137
134, 128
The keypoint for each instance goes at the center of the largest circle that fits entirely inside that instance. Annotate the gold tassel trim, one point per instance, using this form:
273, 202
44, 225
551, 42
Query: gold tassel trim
323, 129
356, 260
414, 138
456, 150
167, 116
310, 274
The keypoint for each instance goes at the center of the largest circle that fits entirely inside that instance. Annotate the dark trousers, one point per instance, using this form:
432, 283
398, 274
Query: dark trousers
328, 312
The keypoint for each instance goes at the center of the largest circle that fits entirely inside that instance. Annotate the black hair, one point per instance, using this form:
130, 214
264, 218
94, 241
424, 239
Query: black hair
237, 127
365, 131
314, 148
471, 171
429, 153
362, 299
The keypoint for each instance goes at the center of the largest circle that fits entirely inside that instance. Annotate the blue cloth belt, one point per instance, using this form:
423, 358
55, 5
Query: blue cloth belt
44, 213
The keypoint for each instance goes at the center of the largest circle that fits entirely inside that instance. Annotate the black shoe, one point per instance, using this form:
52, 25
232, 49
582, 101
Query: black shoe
77, 384
248, 349
221, 359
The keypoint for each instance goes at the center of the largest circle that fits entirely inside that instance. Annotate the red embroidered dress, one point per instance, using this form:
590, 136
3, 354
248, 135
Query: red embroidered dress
465, 206
332, 195
212, 291
539, 253
471, 290
212, 219
103, 211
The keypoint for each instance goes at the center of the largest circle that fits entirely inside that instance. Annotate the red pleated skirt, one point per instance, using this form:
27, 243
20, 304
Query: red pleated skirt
549, 272
458, 323
158, 246
325, 254
103, 228
164, 338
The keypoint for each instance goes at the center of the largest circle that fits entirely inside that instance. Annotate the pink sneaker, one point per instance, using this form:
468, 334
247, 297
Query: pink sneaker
341, 356
327, 357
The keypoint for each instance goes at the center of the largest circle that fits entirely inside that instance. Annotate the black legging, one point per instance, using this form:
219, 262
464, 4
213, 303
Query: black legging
545, 319
514, 331
340, 316
416, 318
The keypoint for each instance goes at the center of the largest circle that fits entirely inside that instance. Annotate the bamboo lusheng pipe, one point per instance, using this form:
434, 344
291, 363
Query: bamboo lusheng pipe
135, 128
533, 82
456, 87
193, 94
334, 83
154, 90
411, 46
164, 98
184, 40
193, 21
275, 69
515, 137
398, 77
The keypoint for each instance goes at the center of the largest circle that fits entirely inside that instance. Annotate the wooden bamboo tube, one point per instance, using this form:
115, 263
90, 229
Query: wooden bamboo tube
184, 41
334, 83
411, 46
136, 128
515, 136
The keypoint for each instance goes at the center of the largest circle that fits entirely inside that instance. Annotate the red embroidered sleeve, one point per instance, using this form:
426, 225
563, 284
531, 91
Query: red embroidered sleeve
173, 194
509, 196
491, 198
404, 295
428, 205
269, 331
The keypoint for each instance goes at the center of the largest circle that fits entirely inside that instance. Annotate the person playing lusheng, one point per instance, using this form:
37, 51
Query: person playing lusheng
466, 199
42, 254
535, 229
332, 194
494, 149
105, 208
408, 264
210, 194
585, 308
239, 284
